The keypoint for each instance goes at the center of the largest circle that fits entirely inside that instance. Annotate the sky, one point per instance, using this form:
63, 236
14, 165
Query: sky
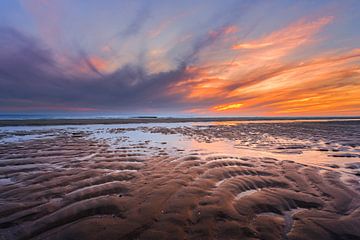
221, 58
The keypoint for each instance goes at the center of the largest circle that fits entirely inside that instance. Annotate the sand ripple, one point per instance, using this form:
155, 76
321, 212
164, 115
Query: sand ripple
73, 187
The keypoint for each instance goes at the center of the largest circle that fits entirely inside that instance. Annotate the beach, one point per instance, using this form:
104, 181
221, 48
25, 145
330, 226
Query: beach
180, 179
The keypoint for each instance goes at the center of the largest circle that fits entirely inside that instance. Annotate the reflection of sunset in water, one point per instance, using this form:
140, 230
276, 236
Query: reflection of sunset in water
226, 147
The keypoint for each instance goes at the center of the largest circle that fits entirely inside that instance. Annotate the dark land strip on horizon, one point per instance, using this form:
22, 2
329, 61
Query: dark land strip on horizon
88, 121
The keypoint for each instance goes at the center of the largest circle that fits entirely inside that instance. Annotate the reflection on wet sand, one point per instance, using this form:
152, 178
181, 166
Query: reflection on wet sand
288, 180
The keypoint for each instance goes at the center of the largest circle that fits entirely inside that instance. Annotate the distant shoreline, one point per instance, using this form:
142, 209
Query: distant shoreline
91, 121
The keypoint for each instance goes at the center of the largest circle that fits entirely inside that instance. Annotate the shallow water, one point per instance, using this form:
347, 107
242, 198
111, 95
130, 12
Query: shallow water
301, 150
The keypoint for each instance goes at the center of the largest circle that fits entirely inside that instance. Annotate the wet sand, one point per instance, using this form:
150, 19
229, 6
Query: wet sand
86, 183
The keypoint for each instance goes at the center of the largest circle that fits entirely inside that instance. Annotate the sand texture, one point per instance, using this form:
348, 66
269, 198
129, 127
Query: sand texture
67, 185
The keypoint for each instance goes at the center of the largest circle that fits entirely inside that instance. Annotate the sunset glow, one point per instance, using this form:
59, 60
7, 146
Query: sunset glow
304, 60
228, 107
181, 119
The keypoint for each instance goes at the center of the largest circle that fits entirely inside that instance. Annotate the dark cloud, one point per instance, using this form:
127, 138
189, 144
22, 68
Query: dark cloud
135, 26
29, 74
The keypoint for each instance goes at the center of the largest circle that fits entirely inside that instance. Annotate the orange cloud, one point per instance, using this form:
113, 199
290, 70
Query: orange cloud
99, 63
327, 84
281, 42
252, 45
222, 74
94, 64
228, 107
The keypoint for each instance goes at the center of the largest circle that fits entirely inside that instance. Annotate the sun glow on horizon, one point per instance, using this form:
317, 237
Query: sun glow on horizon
305, 61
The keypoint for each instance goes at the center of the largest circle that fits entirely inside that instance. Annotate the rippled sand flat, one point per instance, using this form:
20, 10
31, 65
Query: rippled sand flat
293, 180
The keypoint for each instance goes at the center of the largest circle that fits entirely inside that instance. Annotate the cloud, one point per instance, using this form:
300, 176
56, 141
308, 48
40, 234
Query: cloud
216, 74
326, 84
265, 81
31, 76
47, 18
139, 20
280, 43
227, 107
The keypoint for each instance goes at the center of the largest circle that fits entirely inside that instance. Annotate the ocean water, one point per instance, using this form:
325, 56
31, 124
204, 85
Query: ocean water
77, 115
42, 116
